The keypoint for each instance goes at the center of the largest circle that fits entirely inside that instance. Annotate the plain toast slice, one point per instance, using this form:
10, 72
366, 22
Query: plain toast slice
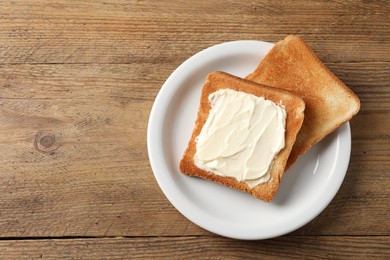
295, 113
291, 65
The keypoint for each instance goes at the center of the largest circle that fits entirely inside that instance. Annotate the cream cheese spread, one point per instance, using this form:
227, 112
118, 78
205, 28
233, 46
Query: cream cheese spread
241, 137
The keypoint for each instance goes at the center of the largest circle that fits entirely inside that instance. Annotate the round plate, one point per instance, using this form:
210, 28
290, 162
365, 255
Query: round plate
306, 189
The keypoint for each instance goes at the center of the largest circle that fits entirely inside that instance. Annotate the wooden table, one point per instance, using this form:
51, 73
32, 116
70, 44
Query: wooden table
77, 83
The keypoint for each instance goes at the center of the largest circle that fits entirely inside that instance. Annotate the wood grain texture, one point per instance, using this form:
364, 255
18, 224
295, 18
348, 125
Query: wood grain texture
78, 80
293, 247
142, 31
98, 181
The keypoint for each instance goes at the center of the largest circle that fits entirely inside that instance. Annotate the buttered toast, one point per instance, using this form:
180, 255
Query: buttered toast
218, 82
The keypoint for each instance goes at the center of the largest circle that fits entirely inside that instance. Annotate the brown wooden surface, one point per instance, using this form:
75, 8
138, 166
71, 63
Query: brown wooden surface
287, 247
78, 80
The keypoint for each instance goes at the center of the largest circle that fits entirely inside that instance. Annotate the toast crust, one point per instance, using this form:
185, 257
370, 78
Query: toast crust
295, 112
291, 65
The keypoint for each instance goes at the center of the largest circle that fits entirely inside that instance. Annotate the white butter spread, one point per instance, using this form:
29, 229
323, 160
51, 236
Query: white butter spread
241, 137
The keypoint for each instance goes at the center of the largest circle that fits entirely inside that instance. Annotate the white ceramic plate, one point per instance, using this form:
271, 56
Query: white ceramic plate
306, 189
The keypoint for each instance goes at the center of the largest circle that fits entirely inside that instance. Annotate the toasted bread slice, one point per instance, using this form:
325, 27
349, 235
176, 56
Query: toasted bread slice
291, 65
295, 112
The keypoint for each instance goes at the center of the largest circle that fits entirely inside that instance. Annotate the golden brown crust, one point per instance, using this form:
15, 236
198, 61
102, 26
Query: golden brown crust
295, 112
291, 65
